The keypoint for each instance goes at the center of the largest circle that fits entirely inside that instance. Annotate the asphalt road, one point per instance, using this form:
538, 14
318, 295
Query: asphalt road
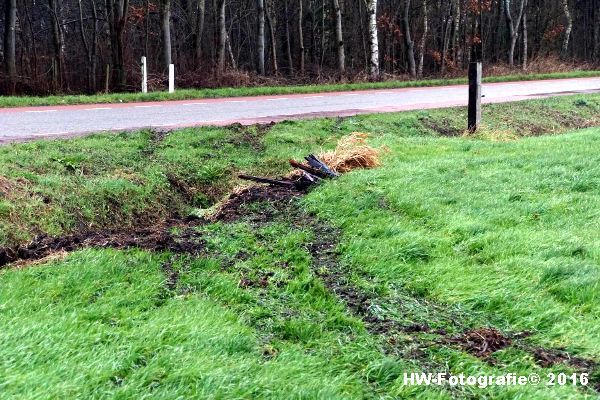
26, 123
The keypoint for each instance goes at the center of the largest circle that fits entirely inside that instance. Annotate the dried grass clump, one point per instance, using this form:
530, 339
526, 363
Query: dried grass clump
352, 152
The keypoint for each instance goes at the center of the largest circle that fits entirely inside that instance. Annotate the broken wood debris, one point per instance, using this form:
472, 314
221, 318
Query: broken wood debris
307, 175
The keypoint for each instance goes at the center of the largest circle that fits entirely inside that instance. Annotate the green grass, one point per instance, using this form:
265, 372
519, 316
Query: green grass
458, 233
132, 179
186, 94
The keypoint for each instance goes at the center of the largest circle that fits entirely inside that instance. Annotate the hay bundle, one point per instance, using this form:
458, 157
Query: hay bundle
352, 152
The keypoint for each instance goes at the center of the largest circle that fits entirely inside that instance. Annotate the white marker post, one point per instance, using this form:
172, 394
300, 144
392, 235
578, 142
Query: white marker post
171, 78
144, 76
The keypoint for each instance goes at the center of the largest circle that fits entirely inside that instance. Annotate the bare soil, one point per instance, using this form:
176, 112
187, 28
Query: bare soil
158, 238
279, 203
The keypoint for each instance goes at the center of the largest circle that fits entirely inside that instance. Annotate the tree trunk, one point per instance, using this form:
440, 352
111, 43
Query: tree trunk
525, 39
86, 47
222, 38
339, 35
455, 28
373, 39
33, 42
165, 15
288, 40
57, 40
565, 45
116, 11
260, 8
513, 29
446, 40
271, 24
408, 42
230, 52
301, 36
10, 62
199, 31
94, 47
596, 51
423, 40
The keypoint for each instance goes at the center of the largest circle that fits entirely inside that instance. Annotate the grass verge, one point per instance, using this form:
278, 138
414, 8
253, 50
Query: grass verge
450, 235
138, 179
186, 94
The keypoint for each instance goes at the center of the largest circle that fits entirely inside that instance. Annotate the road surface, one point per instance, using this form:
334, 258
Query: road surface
25, 123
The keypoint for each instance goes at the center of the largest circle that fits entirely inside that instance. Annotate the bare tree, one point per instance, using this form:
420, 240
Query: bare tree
260, 8
85, 44
301, 36
446, 27
10, 21
312, 37
222, 37
165, 16
199, 30
339, 36
513, 28
57, 39
423, 41
455, 28
373, 39
408, 42
596, 37
271, 22
117, 11
525, 39
288, 39
569, 28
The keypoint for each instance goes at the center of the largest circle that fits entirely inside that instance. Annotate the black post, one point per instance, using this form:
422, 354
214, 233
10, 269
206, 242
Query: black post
475, 75
475, 72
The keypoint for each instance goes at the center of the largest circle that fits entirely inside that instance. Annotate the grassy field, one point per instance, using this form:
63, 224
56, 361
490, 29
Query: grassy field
332, 295
185, 94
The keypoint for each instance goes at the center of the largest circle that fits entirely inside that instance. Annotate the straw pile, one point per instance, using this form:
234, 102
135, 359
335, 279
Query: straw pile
352, 152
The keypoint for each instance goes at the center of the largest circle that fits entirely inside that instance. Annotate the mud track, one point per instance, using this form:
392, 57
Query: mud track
176, 236
481, 342
180, 237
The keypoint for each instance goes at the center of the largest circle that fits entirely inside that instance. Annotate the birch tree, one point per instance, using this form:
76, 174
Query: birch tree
339, 36
568, 29
373, 39
513, 28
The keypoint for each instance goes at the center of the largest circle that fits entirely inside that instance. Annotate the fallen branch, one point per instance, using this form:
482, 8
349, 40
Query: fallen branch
314, 162
309, 169
258, 179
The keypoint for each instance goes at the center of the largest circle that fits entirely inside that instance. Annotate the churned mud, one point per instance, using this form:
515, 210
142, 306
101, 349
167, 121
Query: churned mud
175, 237
262, 205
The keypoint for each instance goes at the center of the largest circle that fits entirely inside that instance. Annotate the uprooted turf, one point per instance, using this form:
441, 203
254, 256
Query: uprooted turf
459, 254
